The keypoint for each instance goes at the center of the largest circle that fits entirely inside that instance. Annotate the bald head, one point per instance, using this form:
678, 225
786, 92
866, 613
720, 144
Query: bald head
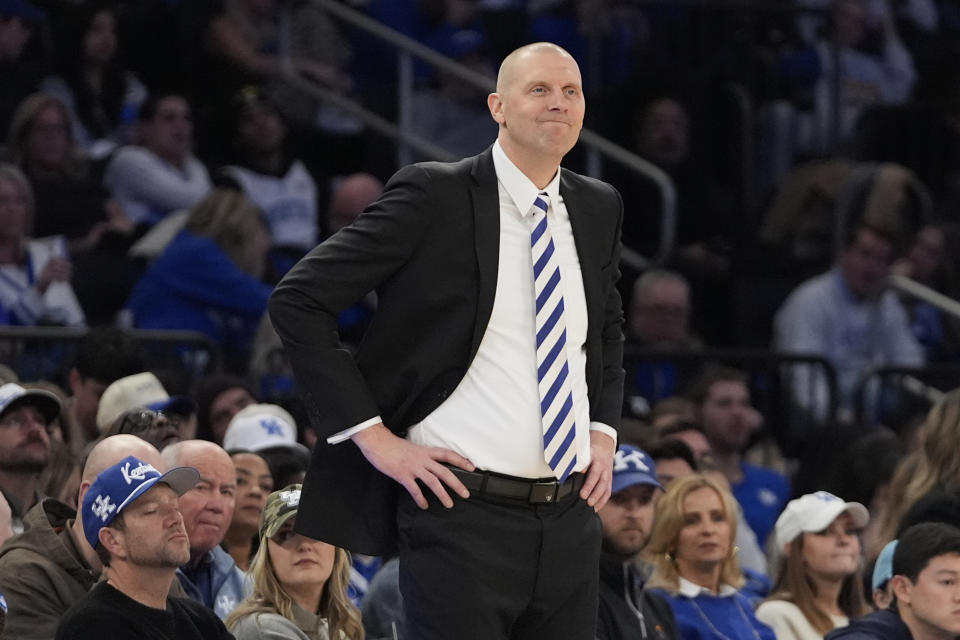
181, 454
351, 196
509, 65
112, 450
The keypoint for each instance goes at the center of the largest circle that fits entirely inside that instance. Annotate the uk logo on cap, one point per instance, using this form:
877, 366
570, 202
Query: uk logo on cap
631, 466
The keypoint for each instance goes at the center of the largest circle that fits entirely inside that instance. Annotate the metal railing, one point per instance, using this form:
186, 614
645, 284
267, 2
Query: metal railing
408, 142
922, 292
895, 396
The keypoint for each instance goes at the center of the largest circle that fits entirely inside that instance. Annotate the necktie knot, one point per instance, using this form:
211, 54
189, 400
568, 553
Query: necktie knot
542, 202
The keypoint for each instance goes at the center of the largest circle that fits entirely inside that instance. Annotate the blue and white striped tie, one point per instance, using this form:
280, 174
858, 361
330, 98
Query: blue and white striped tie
553, 372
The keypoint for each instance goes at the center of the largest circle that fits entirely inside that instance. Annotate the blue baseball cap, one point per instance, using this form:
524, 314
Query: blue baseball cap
120, 485
631, 466
883, 569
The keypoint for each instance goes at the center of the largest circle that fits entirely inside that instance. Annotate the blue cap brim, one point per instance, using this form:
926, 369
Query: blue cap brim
623, 480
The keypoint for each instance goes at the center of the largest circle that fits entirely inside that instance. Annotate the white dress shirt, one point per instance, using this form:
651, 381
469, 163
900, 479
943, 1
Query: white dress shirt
493, 417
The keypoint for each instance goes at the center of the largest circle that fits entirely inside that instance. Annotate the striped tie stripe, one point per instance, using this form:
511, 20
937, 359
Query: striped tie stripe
553, 372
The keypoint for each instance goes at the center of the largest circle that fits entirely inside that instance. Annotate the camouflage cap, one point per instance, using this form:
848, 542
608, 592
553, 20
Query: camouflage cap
281, 506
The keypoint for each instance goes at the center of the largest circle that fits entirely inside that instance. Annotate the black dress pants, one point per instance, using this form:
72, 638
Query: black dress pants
493, 568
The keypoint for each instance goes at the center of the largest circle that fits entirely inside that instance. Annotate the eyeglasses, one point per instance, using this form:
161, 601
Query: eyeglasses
141, 421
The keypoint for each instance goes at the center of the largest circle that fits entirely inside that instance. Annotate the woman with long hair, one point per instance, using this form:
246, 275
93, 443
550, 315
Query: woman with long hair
695, 564
299, 584
932, 463
818, 587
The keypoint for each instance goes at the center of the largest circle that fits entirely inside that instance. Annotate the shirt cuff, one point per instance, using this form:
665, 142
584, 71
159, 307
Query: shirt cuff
605, 428
337, 438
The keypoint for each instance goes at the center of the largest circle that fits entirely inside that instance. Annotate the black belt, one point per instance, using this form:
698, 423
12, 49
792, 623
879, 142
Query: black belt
539, 491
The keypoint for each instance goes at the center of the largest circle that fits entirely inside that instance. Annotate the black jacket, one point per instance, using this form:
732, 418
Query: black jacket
627, 612
879, 625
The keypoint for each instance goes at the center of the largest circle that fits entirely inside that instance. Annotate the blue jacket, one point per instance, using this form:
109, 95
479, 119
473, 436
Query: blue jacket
228, 585
194, 286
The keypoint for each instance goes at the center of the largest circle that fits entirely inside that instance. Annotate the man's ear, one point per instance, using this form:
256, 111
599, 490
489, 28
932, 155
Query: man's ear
902, 588
495, 104
112, 540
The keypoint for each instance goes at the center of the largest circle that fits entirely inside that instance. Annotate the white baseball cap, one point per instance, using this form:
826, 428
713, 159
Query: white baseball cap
814, 512
138, 390
46, 401
262, 426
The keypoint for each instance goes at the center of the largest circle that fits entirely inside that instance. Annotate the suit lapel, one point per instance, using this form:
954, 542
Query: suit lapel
485, 198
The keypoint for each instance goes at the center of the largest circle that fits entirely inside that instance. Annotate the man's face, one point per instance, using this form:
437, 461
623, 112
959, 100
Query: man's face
662, 313
540, 107
226, 405
663, 133
86, 400
207, 508
48, 139
865, 263
14, 36
670, 468
24, 441
726, 415
627, 519
154, 534
934, 600
261, 129
169, 133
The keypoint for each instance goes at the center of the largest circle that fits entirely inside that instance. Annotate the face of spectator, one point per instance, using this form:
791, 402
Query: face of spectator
670, 468
704, 541
865, 263
697, 442
261, 129
169, 133
661, 314
540, 109
86, 400
850, 21
934, 600
254, 484
834, 553
14, 36
100, 40
207, 508
726, 415
24, 441
13, 210
926, 253
627, 519
664, 133
226, 405
300, 562
47, 141
153, 534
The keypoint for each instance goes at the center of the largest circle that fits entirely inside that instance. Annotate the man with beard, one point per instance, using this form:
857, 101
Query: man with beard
209, 575
626, 610
131, 518
25, 417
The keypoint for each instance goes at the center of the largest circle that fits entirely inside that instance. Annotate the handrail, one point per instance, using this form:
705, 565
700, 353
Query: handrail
913, 288
409, 46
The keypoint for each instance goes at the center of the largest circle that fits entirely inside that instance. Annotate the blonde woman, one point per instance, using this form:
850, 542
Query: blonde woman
695, 564
818, 588
299, 584
931, 464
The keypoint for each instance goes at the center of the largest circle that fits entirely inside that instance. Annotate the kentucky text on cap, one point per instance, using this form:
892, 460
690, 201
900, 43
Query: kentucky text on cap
120, 485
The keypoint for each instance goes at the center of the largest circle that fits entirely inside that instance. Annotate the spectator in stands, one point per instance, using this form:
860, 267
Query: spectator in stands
71, 201
291, 600
659, 319
34, 273
926, 564
6, 520
25, 416
819, 587
131, 518
847, 316
723, 409
103, 98
18, 22
208, 278
140, 391
672, 458
219, 398
48, 568
210, 576
61, 478
695, 563
254, 484
932, 465
161, 175
351, 195
626, 609
104, 356
882, 590
146, 424
271, 432
270, 177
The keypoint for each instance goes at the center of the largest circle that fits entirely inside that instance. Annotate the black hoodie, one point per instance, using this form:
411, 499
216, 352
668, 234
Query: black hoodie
626, 611
879, 625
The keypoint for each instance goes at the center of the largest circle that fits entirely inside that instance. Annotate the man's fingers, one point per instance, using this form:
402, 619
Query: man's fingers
450, 457
433, 483
414, 490
451, 480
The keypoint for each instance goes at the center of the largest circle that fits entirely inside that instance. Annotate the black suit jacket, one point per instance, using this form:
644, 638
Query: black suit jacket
429, 247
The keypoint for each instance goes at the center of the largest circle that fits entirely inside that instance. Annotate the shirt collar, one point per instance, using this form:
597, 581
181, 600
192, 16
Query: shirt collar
518, 186
691, 590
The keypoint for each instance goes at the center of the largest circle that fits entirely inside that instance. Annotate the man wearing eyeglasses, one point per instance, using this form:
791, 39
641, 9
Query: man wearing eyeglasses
25, 416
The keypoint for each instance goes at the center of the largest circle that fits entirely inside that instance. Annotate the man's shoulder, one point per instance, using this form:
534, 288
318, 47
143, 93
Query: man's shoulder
879, 625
